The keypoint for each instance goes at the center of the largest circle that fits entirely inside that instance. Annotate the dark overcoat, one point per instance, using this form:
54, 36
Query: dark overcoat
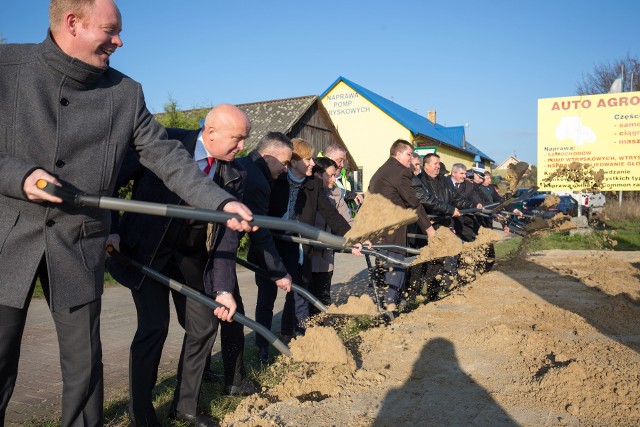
311, 201
141, 235
393, 181
257, 193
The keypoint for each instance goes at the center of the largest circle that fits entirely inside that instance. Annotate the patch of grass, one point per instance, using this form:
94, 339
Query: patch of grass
353, 326
547, 240
44, 423
506, 248
628, 211
627, 234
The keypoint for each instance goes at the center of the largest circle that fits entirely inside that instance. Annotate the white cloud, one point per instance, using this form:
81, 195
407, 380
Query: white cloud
572, 127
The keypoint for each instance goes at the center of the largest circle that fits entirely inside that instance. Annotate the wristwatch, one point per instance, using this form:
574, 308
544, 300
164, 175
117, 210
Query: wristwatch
222, 293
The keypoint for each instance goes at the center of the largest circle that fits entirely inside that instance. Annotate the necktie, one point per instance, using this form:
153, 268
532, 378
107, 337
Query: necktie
457, 185
210, 162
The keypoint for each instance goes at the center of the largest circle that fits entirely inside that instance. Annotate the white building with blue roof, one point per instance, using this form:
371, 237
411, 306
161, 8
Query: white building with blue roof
369, 123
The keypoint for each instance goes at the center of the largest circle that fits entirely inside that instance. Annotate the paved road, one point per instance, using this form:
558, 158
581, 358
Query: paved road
38, 389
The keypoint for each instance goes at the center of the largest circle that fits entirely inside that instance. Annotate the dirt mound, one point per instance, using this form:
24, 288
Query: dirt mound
552, 339
357, 306
442, 244
320, 344
376, 217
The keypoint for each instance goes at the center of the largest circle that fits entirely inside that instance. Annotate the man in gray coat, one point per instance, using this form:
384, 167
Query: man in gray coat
68, 118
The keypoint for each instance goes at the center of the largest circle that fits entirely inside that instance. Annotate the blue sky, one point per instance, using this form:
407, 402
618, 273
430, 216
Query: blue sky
484, 64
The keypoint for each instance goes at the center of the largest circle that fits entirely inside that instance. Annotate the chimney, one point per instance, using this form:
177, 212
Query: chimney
431, 115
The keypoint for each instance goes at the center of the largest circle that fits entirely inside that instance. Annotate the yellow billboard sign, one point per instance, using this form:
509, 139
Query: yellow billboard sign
602, 131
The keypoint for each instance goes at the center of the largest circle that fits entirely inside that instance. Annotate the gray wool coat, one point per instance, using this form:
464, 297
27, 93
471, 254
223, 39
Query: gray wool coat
76, 122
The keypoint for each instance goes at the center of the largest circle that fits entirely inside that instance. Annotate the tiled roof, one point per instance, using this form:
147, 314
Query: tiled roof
279, 115
417, 124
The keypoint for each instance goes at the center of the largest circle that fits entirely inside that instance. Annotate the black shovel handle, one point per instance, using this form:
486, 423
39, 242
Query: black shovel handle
295, 288
525, 195
199, 297
80, 199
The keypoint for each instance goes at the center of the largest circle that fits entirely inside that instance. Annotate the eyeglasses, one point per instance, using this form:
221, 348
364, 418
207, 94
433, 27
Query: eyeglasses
286, 164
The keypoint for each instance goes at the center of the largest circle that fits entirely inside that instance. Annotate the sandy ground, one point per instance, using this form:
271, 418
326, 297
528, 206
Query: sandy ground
551, 339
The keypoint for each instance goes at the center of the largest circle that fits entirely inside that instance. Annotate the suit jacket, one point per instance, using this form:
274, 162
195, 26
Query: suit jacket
257, 193
466, 226
495, 196
76, 122
311, 201
141, 235
393, 181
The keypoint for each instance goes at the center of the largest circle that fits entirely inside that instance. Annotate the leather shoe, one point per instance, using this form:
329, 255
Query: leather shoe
201, 420
245, 388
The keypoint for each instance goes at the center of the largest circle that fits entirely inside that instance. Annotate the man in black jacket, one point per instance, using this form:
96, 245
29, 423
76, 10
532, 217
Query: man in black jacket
437, 194
439, 197
200, 255
269, 160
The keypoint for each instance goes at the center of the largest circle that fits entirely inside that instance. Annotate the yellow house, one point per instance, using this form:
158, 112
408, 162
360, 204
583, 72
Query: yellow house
369, 123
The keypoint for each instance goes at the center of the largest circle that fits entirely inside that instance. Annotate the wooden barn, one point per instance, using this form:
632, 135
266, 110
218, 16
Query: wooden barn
302, 117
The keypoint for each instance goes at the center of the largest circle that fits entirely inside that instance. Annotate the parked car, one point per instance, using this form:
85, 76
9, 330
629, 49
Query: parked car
533, 206
520, 191
592, 203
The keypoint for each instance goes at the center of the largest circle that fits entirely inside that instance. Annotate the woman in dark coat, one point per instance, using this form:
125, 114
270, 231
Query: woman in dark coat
297, 195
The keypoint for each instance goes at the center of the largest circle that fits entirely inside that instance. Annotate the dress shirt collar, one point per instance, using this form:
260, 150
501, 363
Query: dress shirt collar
200, 155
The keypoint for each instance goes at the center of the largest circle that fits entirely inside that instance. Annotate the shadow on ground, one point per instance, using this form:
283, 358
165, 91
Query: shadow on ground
440, 393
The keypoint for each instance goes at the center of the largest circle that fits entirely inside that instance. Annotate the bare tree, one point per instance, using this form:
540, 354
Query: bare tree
603, 76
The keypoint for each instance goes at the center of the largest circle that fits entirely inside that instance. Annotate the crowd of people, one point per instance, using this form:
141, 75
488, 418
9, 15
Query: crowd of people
78, 123
441, 199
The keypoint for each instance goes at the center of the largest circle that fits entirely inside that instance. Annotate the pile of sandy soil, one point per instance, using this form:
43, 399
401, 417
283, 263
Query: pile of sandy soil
550, 339
442, 244
361, 305
377, 217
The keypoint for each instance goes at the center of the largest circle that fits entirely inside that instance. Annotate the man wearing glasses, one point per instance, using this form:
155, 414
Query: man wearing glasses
269, 160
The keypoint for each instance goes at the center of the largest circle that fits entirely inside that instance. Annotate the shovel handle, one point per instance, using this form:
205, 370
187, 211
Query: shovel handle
294, 239
81, 199
295, 288
199, 297
397, 248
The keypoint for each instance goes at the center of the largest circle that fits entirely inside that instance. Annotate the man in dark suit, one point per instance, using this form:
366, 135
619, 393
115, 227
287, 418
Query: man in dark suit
467, 226
71, 120
393, 181
202, 256
438, 196
269, 160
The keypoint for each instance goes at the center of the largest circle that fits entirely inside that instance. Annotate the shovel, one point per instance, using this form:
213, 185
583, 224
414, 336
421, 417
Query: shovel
302, 291
79, 199
495, 207
197, 296
295, 288
318, 244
